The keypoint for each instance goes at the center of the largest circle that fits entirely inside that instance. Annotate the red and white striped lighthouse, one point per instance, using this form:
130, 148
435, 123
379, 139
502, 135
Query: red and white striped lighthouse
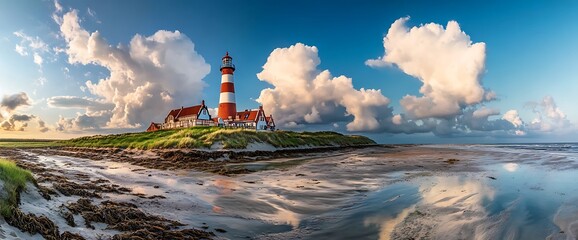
227, 105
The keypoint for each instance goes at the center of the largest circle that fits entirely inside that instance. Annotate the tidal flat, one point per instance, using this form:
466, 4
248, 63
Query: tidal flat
379, 192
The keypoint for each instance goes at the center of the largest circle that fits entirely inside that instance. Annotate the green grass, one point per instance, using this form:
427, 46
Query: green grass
28, 144
14, 179
204, 137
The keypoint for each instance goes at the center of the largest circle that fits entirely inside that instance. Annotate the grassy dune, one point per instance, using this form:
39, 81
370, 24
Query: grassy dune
14, 179
28, 144
204, 137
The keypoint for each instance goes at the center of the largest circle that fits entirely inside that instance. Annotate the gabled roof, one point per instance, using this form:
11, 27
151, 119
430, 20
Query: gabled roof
174, 113
153, 127
248, 115
188, 111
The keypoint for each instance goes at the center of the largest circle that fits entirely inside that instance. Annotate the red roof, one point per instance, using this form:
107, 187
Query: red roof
174, 113
247, 115
185, 111
154, 127
188, 111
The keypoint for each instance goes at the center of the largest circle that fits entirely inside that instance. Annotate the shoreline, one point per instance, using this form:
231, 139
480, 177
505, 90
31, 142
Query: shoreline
195, 159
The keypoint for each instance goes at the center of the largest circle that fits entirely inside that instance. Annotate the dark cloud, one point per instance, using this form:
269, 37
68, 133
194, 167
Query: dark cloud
16, 122
21, 117
11, 102
6, 125
42, 126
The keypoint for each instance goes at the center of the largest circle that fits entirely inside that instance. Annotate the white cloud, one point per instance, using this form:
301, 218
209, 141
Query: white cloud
57, 10
21, 50
91, 12
31, 45
147, 77
302, 93
57, 6
485, 112
397, 119
213, 111
513, 117
38, 59
34, 43
549, 118
79, 102
444, 59
450, 66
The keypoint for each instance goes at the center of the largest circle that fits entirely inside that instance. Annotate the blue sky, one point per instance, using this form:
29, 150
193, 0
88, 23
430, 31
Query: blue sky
528, 56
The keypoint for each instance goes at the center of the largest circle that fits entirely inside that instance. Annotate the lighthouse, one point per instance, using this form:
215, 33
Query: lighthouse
227, 105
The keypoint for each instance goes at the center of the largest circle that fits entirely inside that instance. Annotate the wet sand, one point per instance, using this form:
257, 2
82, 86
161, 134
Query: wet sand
435, 192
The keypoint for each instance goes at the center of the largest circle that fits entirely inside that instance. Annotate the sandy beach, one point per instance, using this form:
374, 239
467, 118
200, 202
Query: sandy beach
384, 192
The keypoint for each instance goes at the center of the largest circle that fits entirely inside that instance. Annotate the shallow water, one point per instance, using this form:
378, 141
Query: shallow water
490, 192
517, 192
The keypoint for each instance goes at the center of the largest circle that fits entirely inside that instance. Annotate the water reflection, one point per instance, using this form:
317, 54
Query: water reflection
450, 207
456, 191
388, 224
511, 167
567, 219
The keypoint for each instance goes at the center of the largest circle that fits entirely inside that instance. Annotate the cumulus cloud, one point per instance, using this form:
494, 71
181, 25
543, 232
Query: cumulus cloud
549, 117
302, 93
16, 122
147, 77
444, 59
513, 117
450, 67
10, 117
14, 101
